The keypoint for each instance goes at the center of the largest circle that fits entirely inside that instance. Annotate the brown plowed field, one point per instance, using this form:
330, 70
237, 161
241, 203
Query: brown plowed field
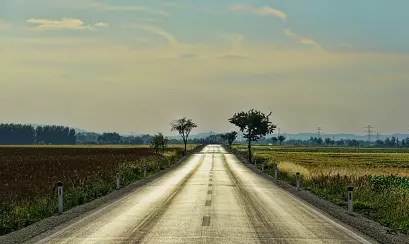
30, 172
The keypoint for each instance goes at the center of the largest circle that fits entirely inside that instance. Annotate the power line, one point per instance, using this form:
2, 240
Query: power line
369, 131
319, 130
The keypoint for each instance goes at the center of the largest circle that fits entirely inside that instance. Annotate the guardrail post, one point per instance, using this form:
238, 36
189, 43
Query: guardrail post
144, 171
297, 176
275, 171
60, 197
350, 205
118, 183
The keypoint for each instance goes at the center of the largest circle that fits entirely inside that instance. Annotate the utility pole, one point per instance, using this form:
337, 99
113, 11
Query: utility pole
319, 130
377, 136
369, 130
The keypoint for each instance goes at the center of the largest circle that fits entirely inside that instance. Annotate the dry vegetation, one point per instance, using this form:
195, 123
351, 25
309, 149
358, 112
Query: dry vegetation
379, 177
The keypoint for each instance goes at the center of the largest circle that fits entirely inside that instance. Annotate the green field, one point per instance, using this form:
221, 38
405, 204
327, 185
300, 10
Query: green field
379, 177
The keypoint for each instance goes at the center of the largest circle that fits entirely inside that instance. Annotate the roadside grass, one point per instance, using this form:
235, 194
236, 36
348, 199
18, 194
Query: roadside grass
19, 214
380, 180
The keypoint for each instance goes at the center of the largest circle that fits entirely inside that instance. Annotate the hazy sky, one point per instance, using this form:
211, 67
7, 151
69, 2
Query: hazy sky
135, 65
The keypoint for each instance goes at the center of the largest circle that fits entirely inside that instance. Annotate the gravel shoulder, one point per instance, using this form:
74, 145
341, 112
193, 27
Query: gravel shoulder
59, 221
368, 227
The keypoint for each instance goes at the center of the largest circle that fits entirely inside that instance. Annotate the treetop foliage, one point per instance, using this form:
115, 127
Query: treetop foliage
183, 126
254, 124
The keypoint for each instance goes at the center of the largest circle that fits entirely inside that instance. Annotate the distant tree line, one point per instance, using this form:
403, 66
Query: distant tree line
314, 141
18, 134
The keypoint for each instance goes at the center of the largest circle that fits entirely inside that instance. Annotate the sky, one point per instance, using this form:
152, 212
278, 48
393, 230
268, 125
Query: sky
136, 65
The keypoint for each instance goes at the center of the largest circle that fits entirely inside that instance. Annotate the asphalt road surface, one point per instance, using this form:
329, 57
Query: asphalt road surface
211, 198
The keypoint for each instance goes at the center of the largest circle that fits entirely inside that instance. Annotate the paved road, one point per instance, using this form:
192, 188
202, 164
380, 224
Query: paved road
211, 198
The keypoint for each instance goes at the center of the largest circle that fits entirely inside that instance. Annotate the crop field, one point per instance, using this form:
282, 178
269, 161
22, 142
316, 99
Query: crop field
29, 174
379, 177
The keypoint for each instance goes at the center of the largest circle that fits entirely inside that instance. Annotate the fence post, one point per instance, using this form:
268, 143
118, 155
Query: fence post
60, 197
275, 171
144, 171
297, 176
350, 205
118, 184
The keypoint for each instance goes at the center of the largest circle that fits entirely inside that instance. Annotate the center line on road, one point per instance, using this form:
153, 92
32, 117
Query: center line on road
206, 221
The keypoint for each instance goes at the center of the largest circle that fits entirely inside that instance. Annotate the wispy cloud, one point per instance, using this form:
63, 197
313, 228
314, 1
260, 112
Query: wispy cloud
306, 41
263, 11
311, 42
63, 24
101, 24
289, 32
130, 8
4, 25
172, 41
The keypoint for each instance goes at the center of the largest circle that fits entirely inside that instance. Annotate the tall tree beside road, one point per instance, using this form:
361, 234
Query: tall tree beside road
254, 124
183, 126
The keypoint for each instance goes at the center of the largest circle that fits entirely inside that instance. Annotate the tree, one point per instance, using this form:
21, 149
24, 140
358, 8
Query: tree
281, 139
254, 124
328, 141
183, 126
109, 138
159, 143
274, 140
230, 137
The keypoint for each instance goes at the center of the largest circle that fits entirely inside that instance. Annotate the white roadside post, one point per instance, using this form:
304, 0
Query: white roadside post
255, 163
350, 205
60, 197
262, 166
118, 183
297, 176
144, 171
275, 171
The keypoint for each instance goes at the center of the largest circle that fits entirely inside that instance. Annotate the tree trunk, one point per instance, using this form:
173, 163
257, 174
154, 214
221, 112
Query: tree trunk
185, 147
249, 146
